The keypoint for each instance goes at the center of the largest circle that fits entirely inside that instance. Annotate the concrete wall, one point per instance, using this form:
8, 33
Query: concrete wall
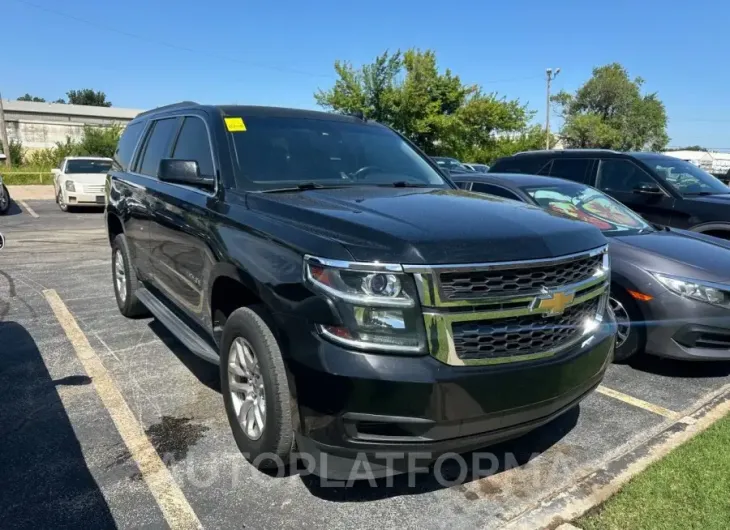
41, 125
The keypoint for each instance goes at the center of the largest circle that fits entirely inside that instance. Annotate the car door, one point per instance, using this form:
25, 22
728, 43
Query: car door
636, 188
575, 169
181, 224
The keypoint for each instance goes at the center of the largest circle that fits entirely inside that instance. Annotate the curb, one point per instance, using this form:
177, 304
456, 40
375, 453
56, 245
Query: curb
593, 489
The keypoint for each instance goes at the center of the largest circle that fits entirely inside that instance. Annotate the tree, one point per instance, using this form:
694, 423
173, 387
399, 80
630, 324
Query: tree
60, 100
99, 141
688, 148
610, 112
87, 96
435, 110
28, 97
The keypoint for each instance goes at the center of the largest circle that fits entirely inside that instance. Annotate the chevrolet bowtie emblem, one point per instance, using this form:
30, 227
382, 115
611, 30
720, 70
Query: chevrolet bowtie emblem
552, 303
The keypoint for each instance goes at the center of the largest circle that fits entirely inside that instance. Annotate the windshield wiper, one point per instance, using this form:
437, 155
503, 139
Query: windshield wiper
405, 184
304, 186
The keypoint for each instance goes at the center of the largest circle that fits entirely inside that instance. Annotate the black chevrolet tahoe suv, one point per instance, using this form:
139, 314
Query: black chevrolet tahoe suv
358, 303
663, 189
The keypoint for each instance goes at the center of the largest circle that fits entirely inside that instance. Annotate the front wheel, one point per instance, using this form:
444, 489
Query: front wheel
125, 280
630, 330
4, 200
255, 389
61, 202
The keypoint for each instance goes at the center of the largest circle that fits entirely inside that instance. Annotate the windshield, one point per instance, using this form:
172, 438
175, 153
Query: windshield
278, 153
685, 177
451, 164
88, 166
590, 205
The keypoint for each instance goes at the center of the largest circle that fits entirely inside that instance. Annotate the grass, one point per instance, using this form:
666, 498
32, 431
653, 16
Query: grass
689, 488
15, 177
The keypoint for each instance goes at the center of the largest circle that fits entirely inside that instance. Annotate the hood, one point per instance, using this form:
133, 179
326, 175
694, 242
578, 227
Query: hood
722, 198
429, 226
681, 253
86, 178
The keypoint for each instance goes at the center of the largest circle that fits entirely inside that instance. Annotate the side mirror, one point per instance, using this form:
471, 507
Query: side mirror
648, 189
55, 171
183, 172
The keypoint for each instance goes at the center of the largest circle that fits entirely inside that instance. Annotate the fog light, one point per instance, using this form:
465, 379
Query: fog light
369, 317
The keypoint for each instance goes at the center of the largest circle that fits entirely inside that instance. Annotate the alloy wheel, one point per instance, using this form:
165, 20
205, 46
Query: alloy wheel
247, 388
120, 276
623, 322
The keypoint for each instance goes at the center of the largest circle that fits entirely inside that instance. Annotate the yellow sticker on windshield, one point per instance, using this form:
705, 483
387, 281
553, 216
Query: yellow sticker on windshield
235, 124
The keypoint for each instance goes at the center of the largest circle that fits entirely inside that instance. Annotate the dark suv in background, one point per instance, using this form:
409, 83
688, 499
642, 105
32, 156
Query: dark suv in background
662, 189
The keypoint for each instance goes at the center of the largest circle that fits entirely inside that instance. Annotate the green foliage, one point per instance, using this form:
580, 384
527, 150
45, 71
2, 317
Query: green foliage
610, 112
87, 96
435, 110
16, 153
96, 141
28, 97
60, 100
688, 148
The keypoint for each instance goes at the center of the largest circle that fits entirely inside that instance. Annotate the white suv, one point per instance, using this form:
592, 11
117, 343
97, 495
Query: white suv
81, 181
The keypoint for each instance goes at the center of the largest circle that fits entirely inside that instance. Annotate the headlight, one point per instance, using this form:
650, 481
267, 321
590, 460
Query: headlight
376, 304
695, 289
70, 185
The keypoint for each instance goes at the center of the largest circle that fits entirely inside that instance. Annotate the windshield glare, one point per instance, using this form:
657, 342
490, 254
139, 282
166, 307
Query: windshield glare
589, 205
88, 166
685, 177
276, 153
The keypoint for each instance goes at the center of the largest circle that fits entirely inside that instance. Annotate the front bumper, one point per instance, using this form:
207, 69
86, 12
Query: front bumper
681, 328
388, 407
85, 199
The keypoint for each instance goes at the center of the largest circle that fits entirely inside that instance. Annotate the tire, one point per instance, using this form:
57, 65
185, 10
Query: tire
625, 310
246, 327
5, 206
61, 204
127, 301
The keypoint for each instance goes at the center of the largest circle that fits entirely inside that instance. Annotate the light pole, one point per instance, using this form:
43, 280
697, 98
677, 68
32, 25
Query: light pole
550, 75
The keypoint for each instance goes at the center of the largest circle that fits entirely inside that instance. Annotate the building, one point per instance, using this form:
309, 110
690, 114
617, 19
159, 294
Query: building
714, 162
41, 125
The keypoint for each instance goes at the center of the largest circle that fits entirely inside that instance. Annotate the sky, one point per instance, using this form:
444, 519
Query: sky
147, 53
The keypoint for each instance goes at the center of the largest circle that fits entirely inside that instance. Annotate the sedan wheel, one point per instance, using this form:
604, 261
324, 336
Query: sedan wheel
61, 204
623, 322
247, 388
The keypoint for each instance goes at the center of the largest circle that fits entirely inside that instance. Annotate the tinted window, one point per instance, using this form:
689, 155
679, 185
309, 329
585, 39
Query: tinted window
158, 145
126, 145
494, 190
193, 144
622, 175
685, 177
275, 153
519, 164
88, 166
574, 169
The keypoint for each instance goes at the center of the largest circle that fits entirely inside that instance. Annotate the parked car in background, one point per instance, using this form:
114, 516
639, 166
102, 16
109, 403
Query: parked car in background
353, 297
479, 168
670, 288
450, 164
81, 181
662, 189
4, 193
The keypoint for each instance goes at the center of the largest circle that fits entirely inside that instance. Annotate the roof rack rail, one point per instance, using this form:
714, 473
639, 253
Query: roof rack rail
168, 107
571, 150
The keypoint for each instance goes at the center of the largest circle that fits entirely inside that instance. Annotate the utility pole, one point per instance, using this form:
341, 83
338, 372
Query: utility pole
550, 75
4, 134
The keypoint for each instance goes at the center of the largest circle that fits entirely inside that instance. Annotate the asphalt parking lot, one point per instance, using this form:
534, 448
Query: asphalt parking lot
66, 460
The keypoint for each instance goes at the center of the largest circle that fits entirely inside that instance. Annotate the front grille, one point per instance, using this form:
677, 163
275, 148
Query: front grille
524, 335
94, 189
470, 285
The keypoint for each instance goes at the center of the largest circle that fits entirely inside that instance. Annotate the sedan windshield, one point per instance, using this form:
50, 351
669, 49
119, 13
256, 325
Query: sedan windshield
88, 166
278, 153
589, 205
685, 177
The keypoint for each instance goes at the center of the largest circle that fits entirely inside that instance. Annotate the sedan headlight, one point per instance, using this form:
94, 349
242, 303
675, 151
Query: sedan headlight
376, 304
696, 289
70, 186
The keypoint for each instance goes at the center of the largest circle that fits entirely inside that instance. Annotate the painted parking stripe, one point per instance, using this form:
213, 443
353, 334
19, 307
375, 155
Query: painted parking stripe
27, 208
177, 511
636, 402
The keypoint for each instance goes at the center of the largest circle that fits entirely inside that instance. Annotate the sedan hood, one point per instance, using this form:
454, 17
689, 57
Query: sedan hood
86, 178
428, 226
680, 253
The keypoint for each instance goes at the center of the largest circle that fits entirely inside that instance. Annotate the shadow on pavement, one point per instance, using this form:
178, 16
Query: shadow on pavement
13, 209
680, 369
44, 480
508, 455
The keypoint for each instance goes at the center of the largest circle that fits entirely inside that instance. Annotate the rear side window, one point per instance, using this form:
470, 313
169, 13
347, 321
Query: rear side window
126, 145
575, 169
193, 144
494, 190
158, 145
519, 164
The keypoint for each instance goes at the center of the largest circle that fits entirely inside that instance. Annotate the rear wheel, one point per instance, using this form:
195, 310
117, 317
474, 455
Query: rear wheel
4, 200
255, 389
631, 333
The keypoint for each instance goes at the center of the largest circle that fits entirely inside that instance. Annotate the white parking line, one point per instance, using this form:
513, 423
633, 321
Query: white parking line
175, 508
27, 208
